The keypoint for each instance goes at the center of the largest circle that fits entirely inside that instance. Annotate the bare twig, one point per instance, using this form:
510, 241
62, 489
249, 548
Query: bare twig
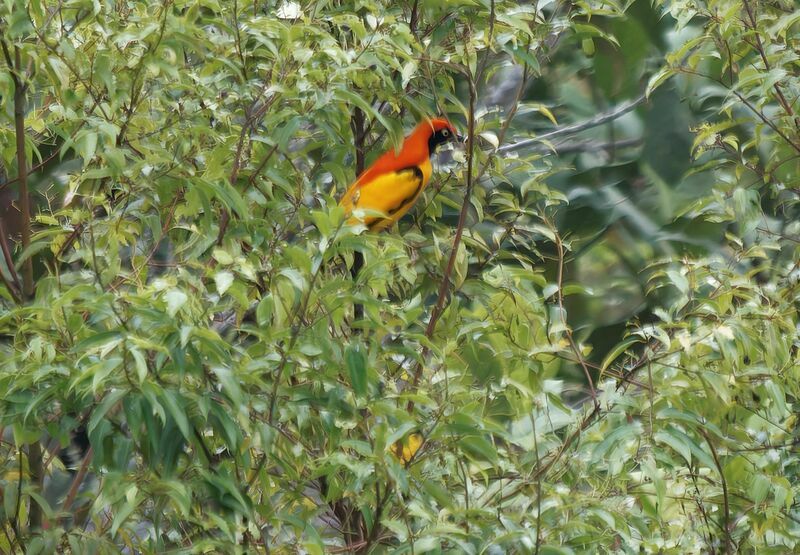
414, 19
40, 165
573, 128
462, 220
487, 53
578, 146
253, 113
538, 487
76, 482
567, 329
360, 132
22, 170
767, 121
726, 515
18, 505
295, 327
760, 48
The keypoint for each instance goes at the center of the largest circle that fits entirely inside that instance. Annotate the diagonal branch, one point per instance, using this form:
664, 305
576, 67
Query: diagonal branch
462, 220
760, 47
573, 128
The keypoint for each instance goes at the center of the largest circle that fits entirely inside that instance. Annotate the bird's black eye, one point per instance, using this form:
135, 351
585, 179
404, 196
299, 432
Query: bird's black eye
445, 133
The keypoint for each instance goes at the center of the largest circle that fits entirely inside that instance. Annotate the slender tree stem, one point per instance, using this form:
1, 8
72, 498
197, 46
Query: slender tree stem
22, 170
438, 309
359, 136
726, 514
77, 481
568, 330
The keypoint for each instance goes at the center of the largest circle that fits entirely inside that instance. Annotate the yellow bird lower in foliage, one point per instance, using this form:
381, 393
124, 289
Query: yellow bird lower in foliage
405, 449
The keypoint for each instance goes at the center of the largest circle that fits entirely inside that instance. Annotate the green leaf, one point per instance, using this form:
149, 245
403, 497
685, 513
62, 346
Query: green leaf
357, 369
99, 413
658, 79
223, 281
264, 310
175, 300
96, 341
479, 448
176, 408
614, 353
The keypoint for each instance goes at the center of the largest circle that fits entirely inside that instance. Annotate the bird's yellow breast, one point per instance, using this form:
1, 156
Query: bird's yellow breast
393, 194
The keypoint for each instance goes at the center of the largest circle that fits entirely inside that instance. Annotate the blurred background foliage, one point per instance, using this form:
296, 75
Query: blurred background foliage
610, 366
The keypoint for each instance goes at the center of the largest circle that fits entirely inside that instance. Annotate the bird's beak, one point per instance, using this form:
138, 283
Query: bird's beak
461, 138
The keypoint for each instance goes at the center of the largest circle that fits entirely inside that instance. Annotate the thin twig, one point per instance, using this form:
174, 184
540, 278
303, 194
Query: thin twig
22, 172
760, 48
462, 220
573, 128
40, 165
295, 327
767, 121
726, 515
414, 19
589, 145
567, 329
253, 113
18, 506
77, 481
538, 487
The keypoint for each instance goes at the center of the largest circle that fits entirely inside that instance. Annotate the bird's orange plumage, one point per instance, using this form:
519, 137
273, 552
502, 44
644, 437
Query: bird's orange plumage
394, 182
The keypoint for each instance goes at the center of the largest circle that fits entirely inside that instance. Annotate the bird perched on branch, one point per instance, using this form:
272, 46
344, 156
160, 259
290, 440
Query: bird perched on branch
394, 182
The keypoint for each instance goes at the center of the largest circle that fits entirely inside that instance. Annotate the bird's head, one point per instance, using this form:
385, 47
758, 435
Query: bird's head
439, 131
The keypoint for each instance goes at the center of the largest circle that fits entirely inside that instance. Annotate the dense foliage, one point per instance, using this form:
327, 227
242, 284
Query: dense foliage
590, 321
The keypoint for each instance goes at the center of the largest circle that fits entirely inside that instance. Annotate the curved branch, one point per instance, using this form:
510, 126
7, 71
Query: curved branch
573, 128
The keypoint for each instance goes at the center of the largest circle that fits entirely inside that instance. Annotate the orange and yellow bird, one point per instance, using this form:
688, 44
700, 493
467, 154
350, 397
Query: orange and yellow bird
394, 182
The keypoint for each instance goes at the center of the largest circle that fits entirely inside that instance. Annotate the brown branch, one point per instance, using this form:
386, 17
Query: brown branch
252, 113
767, 121
360, 132
22, 172
462, 220
294, 325
35, 448
760, 48
238, 41
37, 475
7, 56
37, 167
573, 128
726, 515
260, 168
18, 505
76, 482
224, 216
567, 329
470, 180
414, 19
490, 34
